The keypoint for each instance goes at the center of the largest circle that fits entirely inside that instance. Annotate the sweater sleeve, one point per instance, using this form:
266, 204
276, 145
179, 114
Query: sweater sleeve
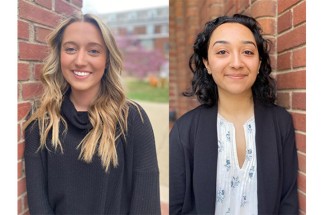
145, 197
35, 165
289, 195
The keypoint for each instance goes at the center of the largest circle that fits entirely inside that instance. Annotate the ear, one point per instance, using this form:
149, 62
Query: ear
206, 64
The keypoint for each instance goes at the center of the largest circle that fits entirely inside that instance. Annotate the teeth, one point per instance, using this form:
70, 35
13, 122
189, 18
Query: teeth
81, 73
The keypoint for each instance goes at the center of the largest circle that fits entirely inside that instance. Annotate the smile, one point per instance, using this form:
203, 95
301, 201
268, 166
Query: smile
236, 76
81, 74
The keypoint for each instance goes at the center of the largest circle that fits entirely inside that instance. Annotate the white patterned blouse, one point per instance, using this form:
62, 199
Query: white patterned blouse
236, 188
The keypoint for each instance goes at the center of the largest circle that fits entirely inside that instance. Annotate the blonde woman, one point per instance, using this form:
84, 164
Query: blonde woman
88, 149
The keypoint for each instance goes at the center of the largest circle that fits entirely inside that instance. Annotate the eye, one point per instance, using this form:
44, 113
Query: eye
248, 52
93, 52
221, 52
70, 50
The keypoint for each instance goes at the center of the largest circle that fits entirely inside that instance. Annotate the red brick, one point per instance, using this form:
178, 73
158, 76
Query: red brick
243, 4
19, 91
299, 101
284, 61
38, 70
192, 12
28, 51
302, 162
78, 3
63, 7
285, 5
301, 181
301, 142
299, 58
214, 10
37, 14
283, 99
19, 206
31, 90
299, 13
285, 22
23, 109
263, 8
299, 121
26, 213
20, 169
23, 30
41, 34
302, 201
210, 2
23, 72
25, 202
292, 39
21, 186
19, 134
21, 148
268, 25
45, 3
292, 80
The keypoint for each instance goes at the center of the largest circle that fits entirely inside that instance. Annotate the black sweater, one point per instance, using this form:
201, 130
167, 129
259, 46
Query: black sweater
63, 184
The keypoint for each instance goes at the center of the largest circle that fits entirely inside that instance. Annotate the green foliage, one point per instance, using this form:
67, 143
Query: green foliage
142, 90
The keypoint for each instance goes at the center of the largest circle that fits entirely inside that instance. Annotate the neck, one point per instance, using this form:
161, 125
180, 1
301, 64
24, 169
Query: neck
236, 107
82, 100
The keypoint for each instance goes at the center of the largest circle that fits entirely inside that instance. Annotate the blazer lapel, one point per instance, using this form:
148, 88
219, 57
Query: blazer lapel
266, 157
205, 161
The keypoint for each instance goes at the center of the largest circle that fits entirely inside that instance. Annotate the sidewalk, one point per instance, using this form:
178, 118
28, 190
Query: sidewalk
158, 114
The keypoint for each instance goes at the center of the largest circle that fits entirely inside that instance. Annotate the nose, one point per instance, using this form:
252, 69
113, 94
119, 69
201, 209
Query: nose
236, 61
80, 58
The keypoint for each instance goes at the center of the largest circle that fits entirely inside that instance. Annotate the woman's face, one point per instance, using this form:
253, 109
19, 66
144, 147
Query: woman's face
233, 59
83, 57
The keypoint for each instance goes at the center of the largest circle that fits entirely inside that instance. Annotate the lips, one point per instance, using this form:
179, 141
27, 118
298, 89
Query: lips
236, 76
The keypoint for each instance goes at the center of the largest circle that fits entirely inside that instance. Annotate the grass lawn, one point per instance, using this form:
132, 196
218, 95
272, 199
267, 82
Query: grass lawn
141, 90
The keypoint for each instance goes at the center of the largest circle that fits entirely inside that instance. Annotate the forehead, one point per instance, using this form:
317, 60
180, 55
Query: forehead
232, 32
82, 32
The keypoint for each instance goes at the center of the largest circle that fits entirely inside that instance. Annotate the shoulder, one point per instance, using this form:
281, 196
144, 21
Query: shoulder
193, 114
281, 114
135, 111
191, 118
137, 117
281, 117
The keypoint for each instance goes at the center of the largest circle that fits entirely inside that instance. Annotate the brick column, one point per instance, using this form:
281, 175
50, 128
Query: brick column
36, 19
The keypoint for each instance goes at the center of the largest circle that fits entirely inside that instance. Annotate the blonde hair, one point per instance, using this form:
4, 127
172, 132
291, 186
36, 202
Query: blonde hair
108, 111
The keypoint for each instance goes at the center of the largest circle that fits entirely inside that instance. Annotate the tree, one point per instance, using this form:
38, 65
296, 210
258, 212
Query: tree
139, 61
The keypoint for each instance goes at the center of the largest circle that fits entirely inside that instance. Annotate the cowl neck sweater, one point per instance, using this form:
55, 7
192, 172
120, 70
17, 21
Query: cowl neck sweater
79, 119
61, 183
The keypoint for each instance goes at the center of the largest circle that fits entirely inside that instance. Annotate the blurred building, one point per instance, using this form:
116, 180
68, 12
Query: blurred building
148, 27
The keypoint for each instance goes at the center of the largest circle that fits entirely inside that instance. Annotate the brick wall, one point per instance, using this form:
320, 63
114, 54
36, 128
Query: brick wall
291, 76
36, 18
283, 22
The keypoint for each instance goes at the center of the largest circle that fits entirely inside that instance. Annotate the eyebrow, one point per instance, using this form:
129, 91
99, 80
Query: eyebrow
89, 44
226, 42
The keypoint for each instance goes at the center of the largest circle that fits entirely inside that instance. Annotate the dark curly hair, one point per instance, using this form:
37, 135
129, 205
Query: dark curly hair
203, 85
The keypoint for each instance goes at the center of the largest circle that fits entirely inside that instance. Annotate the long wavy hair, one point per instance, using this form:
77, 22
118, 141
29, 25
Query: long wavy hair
108, 113
203, 85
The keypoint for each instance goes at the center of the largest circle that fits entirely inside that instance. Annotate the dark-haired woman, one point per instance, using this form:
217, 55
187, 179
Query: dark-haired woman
235, 153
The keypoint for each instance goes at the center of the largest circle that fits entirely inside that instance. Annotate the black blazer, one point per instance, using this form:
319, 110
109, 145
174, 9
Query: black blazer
194, 153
